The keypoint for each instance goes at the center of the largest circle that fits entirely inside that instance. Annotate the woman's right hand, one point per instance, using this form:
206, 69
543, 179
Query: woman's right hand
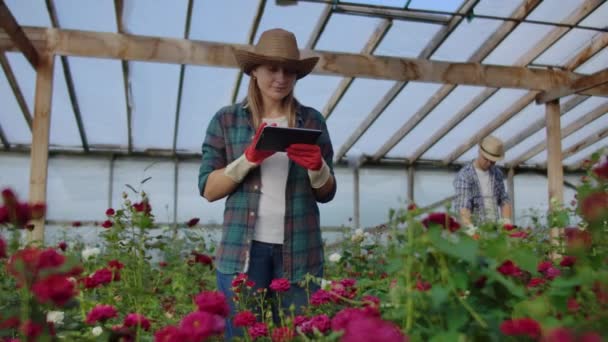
257, 156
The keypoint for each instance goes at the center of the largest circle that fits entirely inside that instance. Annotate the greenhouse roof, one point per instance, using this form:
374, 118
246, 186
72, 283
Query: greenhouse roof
411, 81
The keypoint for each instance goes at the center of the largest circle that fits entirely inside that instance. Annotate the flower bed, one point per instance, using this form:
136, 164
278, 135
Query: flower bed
430, 281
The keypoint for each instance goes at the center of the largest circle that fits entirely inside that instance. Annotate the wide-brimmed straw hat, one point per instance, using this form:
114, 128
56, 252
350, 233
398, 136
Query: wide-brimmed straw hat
276, 46
492, 148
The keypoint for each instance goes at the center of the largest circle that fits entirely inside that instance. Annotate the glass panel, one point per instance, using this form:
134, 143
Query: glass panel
190, 203
389, 3
526, 144
209, 15
154, 89
531, 113
77, 188
386, 189
497, 8
347, 33
524, 38
597, 18
316, 90
300, 19
481, 117
99, 81
29, 13
15, 174
94, 16
596, 63
12, 122
25, 75
205, 91
164, 18
567, 47
453, 103
466, 39
356, 104
444, 5
407, 102
159, 187
586, 153
431, 186
400, 41
554, 11
64, 130
339, 211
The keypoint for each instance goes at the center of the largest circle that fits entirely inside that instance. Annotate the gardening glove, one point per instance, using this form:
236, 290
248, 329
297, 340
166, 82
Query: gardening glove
309, 157
239, 168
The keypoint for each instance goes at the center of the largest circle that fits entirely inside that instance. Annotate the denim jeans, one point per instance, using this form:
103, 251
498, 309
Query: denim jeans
265, 264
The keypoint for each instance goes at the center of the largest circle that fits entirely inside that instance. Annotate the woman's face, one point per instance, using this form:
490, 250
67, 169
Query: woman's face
275, 82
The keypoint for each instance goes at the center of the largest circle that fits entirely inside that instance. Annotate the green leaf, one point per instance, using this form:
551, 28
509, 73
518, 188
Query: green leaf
525, 259
462, 248
438, 296
448, 337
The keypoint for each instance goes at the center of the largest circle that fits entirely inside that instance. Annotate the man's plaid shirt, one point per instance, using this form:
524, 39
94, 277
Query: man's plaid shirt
468, 191
228, 135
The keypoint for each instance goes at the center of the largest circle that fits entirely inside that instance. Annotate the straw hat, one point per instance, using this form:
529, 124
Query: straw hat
276, 46
492, 148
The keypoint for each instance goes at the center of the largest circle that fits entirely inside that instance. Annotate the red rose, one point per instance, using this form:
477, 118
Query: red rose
212, 302
280, 285
54, 288
443, 220
522, 326
101, 313
244, 319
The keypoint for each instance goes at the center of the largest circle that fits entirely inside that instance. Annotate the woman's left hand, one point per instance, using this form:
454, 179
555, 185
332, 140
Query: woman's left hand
305, 155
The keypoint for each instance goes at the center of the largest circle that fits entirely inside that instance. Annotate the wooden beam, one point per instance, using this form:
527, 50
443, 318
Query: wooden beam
482, 52
597, 79
565, 132
40, 141
252, 32
411, 174
583, 144
555, 169
392, 93
597, 43
118, 8
319, 28
547, 41
180, 51
67, 74
10, 25
12, 81
578, 165
4, 140
182, 72
540, 123
345, 83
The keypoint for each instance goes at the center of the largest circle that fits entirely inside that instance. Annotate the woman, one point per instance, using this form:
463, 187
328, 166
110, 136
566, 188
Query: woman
271, 220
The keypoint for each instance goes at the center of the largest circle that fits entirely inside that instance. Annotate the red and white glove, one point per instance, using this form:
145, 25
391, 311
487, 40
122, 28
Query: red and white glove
239, 168
310, 158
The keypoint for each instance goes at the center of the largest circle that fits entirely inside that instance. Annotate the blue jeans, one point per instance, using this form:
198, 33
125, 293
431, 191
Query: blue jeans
265, 264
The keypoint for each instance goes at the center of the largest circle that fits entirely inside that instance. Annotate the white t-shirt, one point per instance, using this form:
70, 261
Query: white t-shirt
270, 224
489, 204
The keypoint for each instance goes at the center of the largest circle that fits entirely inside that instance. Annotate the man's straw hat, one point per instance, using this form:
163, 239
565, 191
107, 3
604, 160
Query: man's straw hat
492, 148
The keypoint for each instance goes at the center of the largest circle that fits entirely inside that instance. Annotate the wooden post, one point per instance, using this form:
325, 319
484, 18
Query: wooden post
511, 189
356, 203
40, 141
410, 185
555, 171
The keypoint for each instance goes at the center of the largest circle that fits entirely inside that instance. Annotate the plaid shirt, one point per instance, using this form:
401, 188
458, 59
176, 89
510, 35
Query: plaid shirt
228, 135
468, 191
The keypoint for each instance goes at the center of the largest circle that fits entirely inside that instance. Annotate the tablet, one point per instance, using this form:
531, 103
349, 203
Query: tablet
279, 138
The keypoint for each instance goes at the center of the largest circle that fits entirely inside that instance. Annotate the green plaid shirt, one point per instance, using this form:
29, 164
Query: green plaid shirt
228, 135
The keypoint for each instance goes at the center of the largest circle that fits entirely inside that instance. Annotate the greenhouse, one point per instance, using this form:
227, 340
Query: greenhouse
107, 114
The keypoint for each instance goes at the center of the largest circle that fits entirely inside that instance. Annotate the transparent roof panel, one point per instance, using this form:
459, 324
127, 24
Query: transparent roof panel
64, 130
597, 18
29, 13
356, 104
164, 18
94, 16
390, 3
468, 34
26, 77
154, 95
347, 33
209, 15
12, 122
595, 63
567, 47
300, 19
100, 81
524, 38
316, 90
406, 39
531, 113
205, 91
554, 11
413, 96
482, 116
453, 103
444, 5
497, 8
586, 153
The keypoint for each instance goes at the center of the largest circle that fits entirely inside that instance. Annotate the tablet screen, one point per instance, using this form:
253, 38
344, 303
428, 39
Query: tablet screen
279, 138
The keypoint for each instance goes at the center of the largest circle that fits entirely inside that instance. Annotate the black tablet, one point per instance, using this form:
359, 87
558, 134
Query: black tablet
279, 138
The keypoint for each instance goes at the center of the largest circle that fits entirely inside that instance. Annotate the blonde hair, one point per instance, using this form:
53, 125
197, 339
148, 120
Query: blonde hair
255, 103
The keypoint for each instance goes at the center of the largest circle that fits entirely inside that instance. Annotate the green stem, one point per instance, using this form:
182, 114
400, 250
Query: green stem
409, 313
